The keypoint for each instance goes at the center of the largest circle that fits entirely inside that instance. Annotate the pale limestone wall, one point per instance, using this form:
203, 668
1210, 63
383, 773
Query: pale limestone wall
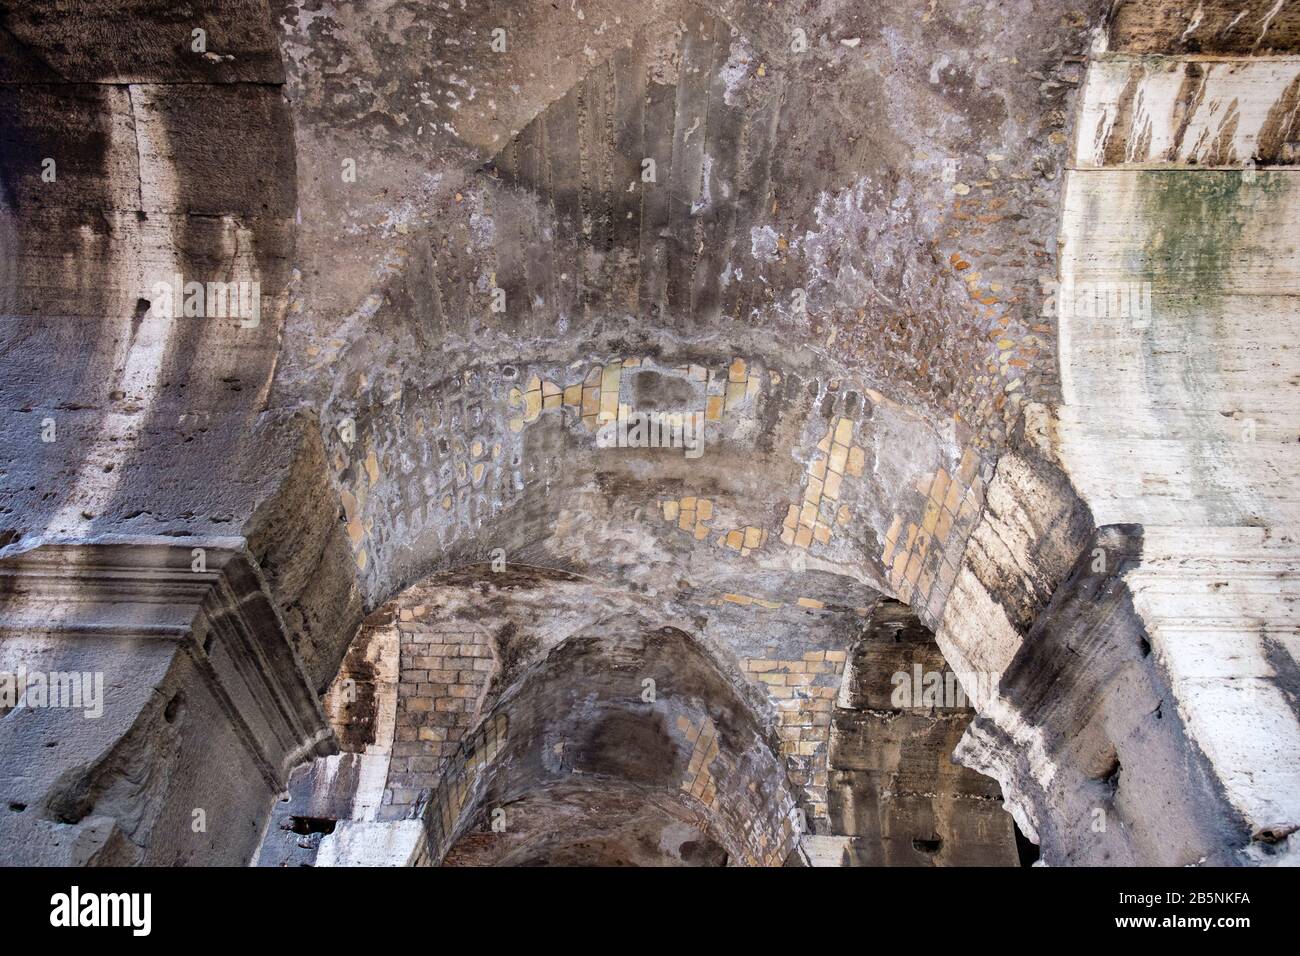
1207, 111
1180, 411
368, 843
1177, 310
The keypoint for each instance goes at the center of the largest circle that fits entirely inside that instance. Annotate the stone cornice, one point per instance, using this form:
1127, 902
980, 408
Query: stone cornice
221, 615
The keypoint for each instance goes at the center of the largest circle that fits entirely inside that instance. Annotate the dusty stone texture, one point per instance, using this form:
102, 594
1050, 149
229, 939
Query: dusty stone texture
1029, 535
895, 792
298, 540
782, 657
199, 680
839, 263
576, 269
867, 767
425, 246
130, 436
131, 41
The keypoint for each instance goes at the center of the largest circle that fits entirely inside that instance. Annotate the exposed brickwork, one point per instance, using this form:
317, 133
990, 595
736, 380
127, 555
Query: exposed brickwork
804, 692
640, 210
436, 458
923, 548
707, 767
461, 774
816, 518
602, 394
895, 794
699, 781
693, 516
445, 672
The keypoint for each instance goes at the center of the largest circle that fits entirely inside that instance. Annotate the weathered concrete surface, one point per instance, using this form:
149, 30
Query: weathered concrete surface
1032, 529
375, 844
90, 351
839, 262
131, 41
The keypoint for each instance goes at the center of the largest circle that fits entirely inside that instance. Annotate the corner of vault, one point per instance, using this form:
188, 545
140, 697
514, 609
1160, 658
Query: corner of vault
296, 535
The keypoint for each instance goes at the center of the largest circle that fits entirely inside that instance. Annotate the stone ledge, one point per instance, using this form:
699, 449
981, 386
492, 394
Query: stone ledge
222, 615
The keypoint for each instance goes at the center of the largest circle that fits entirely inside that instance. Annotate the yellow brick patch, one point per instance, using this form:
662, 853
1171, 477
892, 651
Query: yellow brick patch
698, 781
815, 517
747, 600
594, 399
924, 545
692, 514
804, 693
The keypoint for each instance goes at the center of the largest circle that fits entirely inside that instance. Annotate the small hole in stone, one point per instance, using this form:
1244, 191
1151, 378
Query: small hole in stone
305, 825
930, 846
172, 710
1112, 779
1272, 834
1146, 646
207, 644
1104, 764
17, 807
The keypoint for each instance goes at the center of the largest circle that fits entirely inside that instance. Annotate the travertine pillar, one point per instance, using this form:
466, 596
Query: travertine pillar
193, 704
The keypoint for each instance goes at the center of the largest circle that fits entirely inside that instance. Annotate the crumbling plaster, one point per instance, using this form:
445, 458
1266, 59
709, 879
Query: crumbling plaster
901, 180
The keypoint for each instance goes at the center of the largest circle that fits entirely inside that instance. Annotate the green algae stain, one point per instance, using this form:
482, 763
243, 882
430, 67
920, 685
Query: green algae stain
1197, 221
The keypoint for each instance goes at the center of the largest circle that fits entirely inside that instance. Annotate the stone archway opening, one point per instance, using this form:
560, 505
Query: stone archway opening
531, 716
840, 257
514, 717
897, 798
621, 747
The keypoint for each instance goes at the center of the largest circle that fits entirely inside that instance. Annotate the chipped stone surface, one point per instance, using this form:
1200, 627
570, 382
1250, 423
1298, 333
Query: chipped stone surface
1168, 111
486, 259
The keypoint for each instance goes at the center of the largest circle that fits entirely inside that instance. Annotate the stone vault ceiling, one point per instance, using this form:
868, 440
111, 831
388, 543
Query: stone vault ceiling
847, 237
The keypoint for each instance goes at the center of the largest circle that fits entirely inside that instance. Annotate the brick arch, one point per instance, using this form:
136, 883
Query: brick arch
428, 757
695, 745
